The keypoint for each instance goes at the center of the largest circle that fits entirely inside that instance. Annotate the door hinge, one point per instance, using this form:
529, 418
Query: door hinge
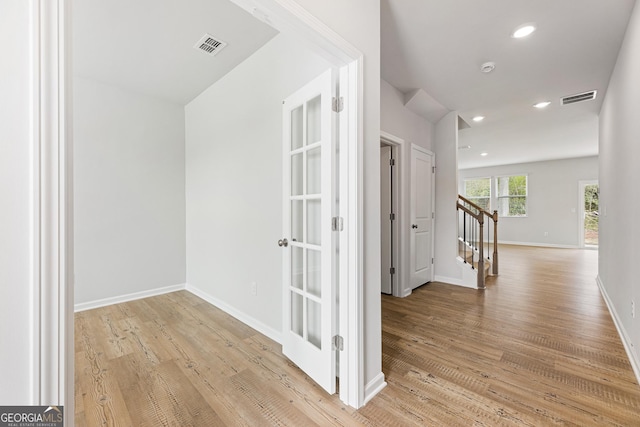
392, 162
392, 217
433, 215
338, 343
433, 169
337, 104
392, 271
337, 223
431, 260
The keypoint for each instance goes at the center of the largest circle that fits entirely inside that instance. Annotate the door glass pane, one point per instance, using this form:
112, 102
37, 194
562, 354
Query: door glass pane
314, 326
313, 120
296, 221
297, 314
296, 128
296, 174
313, 171
313, 222
313, 273
297, 268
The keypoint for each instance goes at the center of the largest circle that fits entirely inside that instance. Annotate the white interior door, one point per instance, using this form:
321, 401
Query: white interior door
308, 240
421, 211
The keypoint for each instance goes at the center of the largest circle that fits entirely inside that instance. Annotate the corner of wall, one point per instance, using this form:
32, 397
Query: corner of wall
374, 387
632, 353
238, 314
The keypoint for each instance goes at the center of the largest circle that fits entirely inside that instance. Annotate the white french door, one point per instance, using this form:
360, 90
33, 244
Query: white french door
308, 241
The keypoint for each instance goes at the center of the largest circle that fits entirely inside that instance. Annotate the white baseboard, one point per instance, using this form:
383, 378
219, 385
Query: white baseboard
374, 387
537, 244
232, 311
405, 293
128, 297
626, 341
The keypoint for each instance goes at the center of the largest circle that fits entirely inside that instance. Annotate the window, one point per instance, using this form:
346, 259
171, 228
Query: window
512, 195
478, 190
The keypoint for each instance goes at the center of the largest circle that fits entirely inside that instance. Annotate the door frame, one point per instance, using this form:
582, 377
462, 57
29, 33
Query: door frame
391, 251
399, 205
52, 375
51, 147
582, 184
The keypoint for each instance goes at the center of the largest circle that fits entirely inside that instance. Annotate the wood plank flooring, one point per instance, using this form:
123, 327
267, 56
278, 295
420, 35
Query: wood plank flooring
536, 348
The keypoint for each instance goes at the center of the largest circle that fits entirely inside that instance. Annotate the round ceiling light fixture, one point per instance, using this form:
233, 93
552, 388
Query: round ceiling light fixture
478, 118
484, 154
488, 67
523, 31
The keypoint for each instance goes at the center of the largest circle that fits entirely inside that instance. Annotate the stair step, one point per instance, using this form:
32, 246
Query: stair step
471, 254
487, 263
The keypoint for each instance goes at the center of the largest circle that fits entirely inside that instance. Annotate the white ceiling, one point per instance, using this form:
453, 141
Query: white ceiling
147, 45
439, 45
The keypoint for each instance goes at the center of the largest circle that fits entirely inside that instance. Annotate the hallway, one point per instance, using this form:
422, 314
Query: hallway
537, 347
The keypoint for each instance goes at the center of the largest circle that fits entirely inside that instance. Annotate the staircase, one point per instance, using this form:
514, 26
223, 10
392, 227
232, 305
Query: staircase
475, 235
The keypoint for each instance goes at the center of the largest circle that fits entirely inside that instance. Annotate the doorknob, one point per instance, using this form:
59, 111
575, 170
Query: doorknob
414, 226
283, 242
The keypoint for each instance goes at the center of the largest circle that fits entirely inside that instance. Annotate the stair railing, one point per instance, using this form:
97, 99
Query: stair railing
472, 218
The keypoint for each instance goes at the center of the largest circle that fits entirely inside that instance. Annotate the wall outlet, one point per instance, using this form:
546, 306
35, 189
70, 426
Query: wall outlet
254, 289
546, 234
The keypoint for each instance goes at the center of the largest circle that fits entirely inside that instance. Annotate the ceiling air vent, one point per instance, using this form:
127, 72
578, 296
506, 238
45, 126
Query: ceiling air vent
572, 99
209, 45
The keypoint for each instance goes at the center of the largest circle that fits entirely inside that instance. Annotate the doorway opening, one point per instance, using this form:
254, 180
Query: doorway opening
589, 214
388, 214
393, 197
349, 62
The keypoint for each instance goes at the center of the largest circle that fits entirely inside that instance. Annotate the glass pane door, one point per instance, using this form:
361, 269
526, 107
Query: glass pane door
309, 303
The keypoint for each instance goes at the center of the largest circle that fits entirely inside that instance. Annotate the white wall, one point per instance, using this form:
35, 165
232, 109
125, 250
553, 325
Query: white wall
16, 298
553, 204
446, 268
358, 22
129, 192
234, 180
619, 202
399, 121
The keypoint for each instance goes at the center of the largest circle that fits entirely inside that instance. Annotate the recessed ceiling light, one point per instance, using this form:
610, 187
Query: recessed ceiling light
484, 154
478, 118
543, 104
523, 31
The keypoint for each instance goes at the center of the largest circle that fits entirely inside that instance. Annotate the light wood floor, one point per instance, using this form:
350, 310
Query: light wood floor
536, 348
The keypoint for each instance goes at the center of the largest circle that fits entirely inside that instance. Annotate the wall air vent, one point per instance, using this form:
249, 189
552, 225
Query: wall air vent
572, 99
209, 45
